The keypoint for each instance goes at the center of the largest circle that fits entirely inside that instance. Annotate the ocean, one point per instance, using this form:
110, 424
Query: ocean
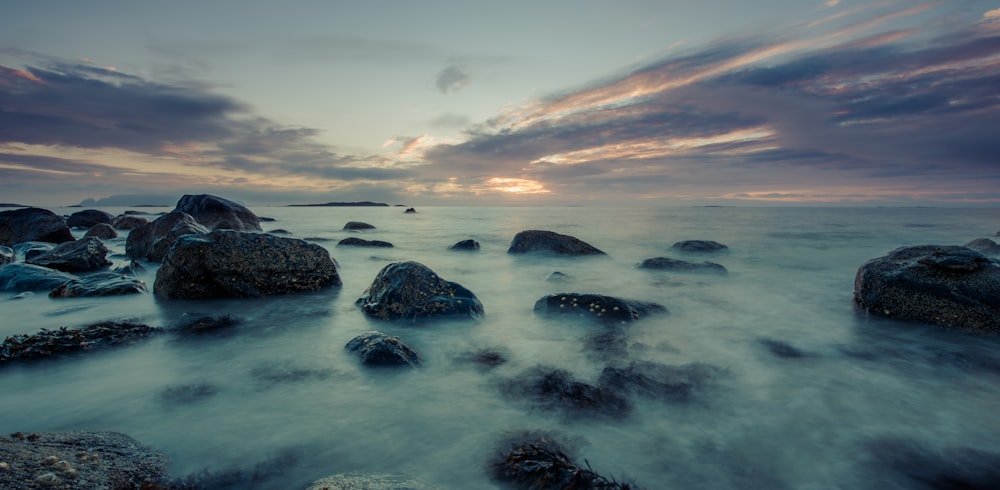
278, 402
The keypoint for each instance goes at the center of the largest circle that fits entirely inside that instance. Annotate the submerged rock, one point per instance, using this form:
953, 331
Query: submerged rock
379, 349
605, 309
984, 246
699, 246
99, 284
216, 213
411, 290
358, 225
7, 255
234, 264
82, 460
916, 466
360, 242
153, 240
949, 286
658, 380
103, 231
537, 461
208, 324
668, 264
781, 349
53, 343
88, 218
470, 245
33, 224
26, 277
547, 241
368, 481
86, 254
556, 389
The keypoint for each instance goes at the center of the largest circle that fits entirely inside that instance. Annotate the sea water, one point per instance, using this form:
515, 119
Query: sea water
277, 402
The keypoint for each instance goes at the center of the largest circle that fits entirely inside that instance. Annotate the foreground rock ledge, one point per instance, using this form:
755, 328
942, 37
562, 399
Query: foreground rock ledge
949, 286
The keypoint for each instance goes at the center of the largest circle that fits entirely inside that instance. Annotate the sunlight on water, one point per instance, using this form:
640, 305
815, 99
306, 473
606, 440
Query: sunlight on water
279, 391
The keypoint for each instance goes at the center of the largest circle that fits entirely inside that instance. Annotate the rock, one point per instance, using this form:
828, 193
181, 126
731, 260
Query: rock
658, 380
280, 231
548, 241
227, 263
153, 240
54, 343
88, 218
949, 286
608, 344
129, 268
379, 349
7, 255
605, 309
557, 276
470, 245
916, 466
556, 389
531, 460
368, 481
699, 246
30, 250
668, 264
128, 222
103, 231
216, 213
27, 277
208, 324
358, 225
84, 460
411, 291
409, 211
984, 246
83, 255
99, 284
484, 358
33, 224
358, 242
781, 349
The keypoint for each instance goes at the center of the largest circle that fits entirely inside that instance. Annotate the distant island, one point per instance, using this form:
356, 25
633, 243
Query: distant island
362, 203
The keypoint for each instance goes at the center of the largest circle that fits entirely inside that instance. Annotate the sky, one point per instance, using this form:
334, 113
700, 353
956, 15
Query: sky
556, 102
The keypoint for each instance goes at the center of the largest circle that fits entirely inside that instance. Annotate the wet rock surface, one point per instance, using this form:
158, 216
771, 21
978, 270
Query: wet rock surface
88, 218
27, 277
103, 231
551, 242
411, 291
379, 349
87, 254
467, 245
949, 286
368, 481
234, 264
33, 224
539, 461
360, 242
79, 461
676, 265
29, 250
216, 213
699, 246
99, 284
7, 255
358, 225
597, 307
153, 240
53, 343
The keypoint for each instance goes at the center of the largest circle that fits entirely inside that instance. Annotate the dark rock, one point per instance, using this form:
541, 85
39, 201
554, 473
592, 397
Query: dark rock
984, 246
945, 285
99, 284
658, 380
917, 466
87, 460
537, 461
208, 324
30, 250
27, 277
485, 358
605, 309
781, 349
265, 219
83, 255
153, 240
411, 290
379, 349
216, 213
668, 264
33, 224
103, 231
607, 344
226, 263
7, 255
699, 246
272, 374
128, 222
368, 481
53, 343
409, 211
465, 245
280, 231
358, 225
185, 394
130, 268
557, 276
88, 218
556, 389
358, 242
548, 241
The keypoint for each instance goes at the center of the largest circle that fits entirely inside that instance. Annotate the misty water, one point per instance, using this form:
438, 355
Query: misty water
280, 398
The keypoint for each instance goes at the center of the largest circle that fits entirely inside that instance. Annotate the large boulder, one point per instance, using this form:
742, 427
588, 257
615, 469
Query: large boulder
548, 241
411, 290
7, 255
153, 240
103, 231
86, 254
945, 285
99, 284
33, 224
227, 263
88, 218
597, 307
379, 349
128, 222
79, 460
216, 213
26, 277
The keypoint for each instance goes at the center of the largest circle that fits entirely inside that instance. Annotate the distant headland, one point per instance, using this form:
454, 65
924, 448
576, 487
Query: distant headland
361, 203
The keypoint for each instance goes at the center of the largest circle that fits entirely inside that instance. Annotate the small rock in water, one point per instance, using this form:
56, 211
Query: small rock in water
530, 241
377, 348
531, 460
52, 343
556, 389
360, 242
597, 307
358, 225
469, 245
782, 349
699, 246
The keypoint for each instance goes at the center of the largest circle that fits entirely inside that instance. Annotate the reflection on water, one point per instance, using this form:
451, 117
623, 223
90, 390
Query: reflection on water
811, 388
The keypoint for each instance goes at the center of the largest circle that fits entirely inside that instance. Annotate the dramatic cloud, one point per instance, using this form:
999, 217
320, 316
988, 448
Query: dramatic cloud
452, 78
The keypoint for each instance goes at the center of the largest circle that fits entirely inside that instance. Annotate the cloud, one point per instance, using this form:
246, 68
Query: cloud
452, 78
